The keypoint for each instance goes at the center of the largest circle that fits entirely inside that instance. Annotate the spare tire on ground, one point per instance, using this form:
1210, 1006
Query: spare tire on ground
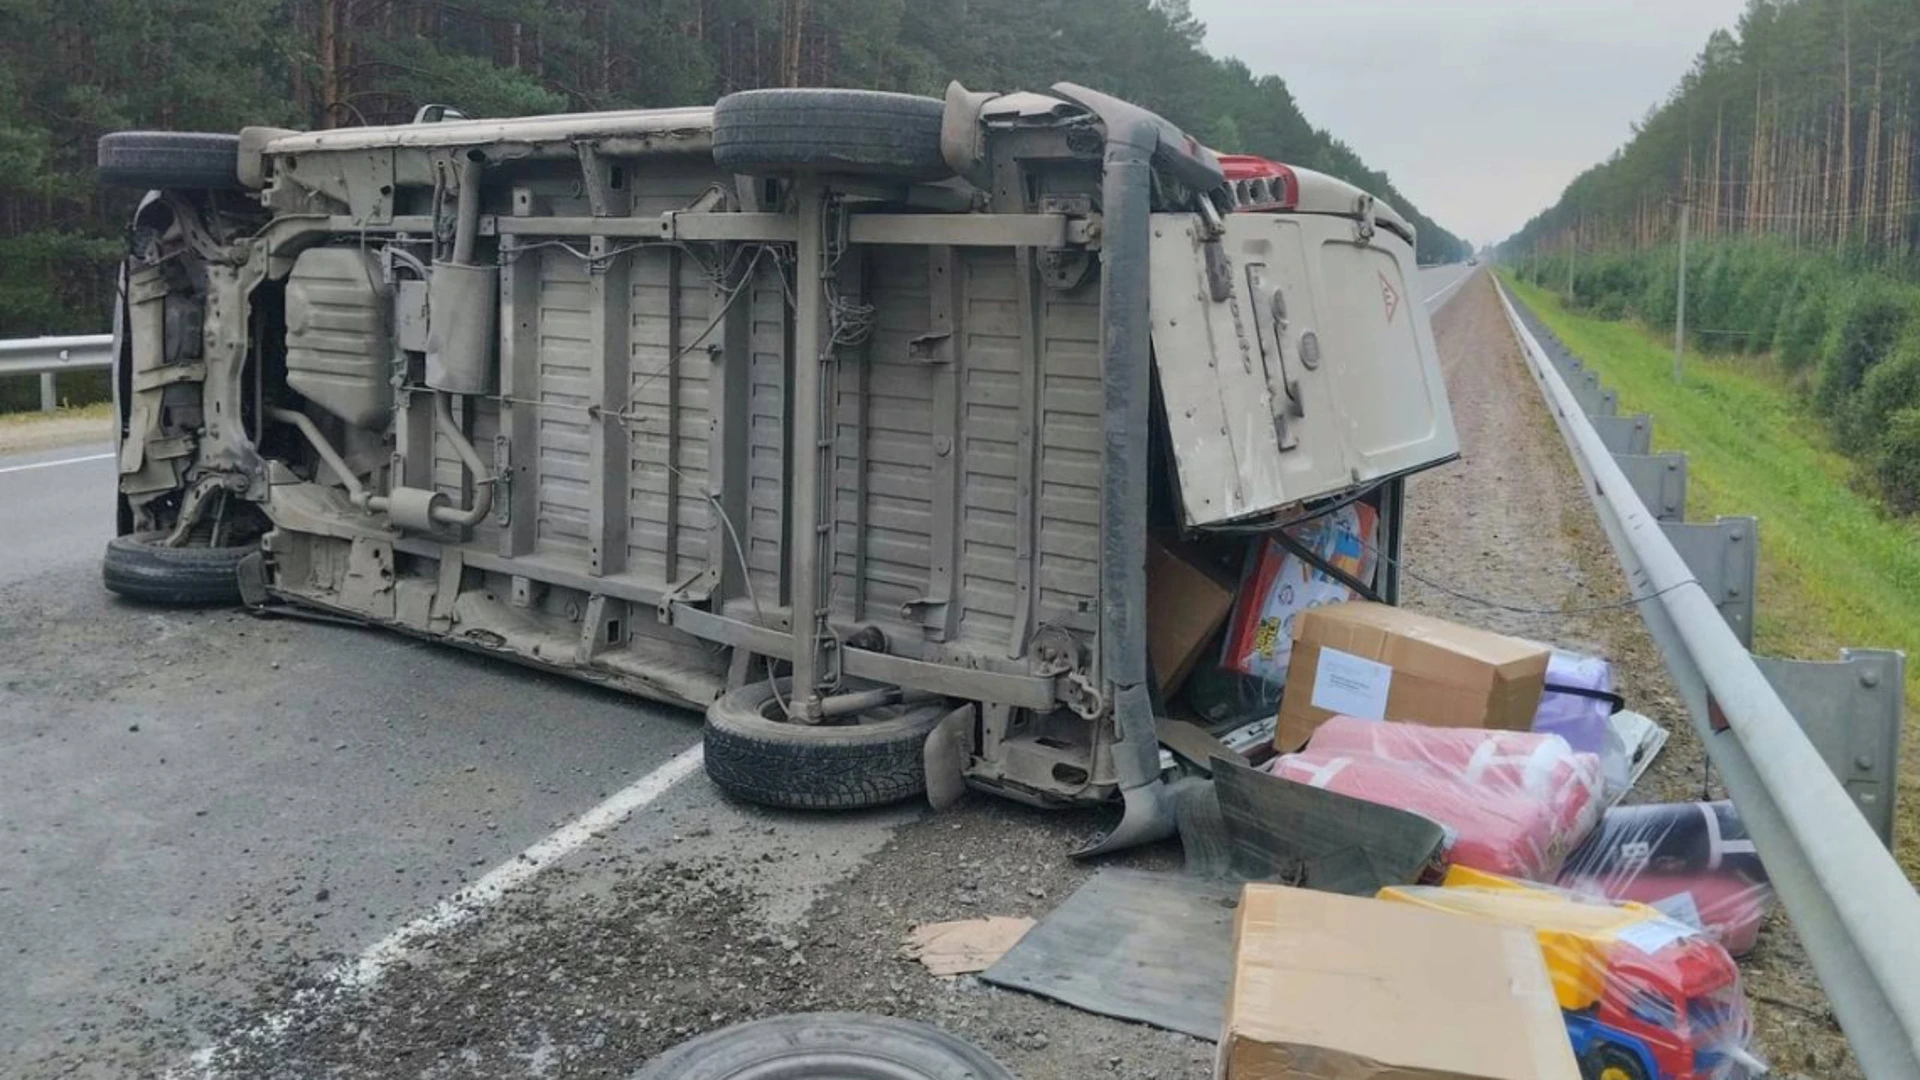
874, 758
141, 568
169, 159
826, 1046
762, 132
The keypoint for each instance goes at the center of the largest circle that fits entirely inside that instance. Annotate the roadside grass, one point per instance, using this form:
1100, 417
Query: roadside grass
99, 410
1835, 568
24, 431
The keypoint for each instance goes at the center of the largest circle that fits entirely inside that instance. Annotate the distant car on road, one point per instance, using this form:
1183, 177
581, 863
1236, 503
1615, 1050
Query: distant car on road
1473, 260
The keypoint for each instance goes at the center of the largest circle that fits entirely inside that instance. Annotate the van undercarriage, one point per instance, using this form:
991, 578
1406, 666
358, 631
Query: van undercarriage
844, 417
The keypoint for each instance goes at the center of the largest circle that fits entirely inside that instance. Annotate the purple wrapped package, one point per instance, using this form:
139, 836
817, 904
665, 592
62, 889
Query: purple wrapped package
1576, 705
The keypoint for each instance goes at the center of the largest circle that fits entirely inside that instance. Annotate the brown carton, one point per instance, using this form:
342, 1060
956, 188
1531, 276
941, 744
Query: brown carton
1387, 663
1330, 987
1186, 603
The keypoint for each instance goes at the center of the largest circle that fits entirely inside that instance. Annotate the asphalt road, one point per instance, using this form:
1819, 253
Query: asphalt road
204, 814
184, 795
52, 508
1439, 284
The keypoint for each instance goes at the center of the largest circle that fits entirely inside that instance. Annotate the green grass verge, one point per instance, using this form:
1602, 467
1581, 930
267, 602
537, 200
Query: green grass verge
1835, 568
102, 411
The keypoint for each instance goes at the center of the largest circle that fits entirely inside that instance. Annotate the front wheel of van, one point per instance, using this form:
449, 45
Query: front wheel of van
140, 567
873, 758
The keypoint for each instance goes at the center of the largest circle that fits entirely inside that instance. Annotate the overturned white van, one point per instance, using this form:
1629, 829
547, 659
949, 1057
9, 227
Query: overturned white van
841, 416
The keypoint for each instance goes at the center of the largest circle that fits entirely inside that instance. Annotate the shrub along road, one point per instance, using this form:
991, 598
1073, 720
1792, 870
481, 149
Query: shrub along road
1835, 569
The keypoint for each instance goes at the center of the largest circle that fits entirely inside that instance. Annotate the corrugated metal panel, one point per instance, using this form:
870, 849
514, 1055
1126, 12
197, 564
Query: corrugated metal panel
766, 433
883, 472
565, 389
661, 380
991, 385
1070, 445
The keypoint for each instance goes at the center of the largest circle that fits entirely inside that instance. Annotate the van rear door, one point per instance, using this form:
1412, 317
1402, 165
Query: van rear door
1295, 360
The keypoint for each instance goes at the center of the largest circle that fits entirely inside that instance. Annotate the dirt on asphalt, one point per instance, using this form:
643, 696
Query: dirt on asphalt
691, 920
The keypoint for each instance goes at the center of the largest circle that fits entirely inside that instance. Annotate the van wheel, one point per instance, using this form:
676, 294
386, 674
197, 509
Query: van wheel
873, 758
826, 1046
169, 159
761, 132
139, 567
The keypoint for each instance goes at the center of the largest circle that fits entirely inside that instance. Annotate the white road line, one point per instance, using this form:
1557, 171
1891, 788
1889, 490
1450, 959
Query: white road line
372, 964
62, 461
1449, 287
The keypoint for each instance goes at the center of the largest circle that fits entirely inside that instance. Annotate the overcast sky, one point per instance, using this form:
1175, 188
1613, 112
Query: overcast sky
1480, 110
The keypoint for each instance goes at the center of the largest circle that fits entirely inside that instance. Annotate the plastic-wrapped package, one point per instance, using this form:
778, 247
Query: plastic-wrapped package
1577, 705
1279, 585
1512, 802
1693, 861
1644, 996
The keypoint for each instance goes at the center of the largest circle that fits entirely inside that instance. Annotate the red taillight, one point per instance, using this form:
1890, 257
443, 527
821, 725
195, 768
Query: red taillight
1259, 184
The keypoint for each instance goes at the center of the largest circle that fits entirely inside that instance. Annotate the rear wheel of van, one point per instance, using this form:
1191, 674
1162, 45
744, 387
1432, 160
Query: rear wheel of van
140, 567
873, 758
169, 159
773, 132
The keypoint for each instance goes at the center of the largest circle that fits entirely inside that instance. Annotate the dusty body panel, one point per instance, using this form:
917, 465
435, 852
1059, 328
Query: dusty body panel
564, 390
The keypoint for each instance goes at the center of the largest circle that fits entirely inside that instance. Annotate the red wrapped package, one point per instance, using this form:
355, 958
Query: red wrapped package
1513, 803
1693, 861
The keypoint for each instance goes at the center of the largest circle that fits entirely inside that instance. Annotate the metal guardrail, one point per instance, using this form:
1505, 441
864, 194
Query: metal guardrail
47, 357
1854, 909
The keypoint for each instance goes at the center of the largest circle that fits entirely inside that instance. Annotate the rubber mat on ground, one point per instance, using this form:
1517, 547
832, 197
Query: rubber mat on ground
1152, 948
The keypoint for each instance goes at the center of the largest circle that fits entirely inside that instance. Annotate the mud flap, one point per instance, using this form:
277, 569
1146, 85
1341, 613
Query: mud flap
252, 574
949, 745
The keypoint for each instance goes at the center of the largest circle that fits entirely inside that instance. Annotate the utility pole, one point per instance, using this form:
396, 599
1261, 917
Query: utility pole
1680, 307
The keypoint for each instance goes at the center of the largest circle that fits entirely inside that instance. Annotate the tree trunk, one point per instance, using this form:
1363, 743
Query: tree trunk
1845, 209
793, 31
329, 57
1870, 198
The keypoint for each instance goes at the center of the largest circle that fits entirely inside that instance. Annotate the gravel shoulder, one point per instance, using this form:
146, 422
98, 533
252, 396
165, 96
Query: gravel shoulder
1509, 522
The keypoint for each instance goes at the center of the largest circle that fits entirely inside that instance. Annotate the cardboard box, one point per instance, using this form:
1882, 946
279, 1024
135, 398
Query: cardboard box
1186, 603
1330, 987
1386, 663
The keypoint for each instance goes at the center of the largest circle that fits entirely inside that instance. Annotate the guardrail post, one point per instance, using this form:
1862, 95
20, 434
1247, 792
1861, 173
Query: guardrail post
1850, 710
49, 393
1660, 480
1724, 557
1609, 403
1626, 434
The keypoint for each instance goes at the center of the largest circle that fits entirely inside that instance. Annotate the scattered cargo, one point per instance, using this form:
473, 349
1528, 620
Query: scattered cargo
1378, 662
1346, 988
1511, 802
1644, 997
1693, 861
